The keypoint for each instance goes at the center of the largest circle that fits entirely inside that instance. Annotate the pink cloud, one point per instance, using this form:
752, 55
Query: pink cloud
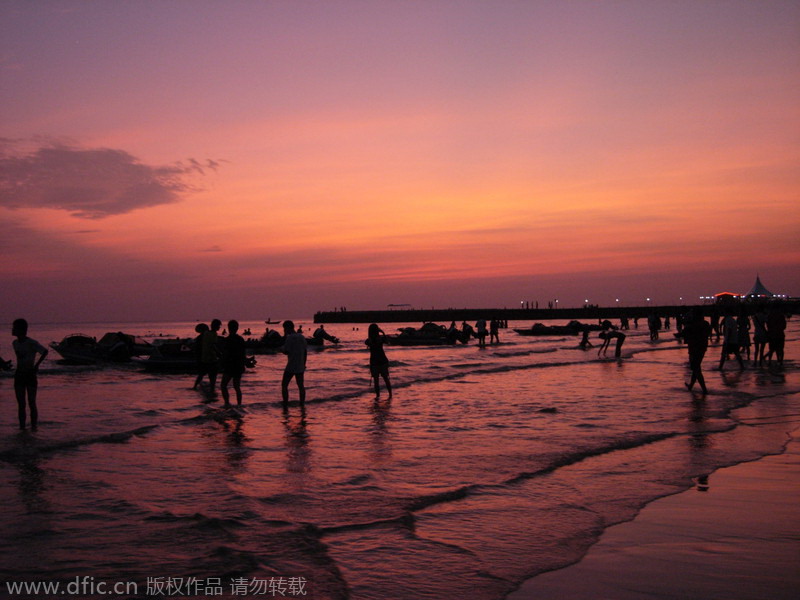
90, 183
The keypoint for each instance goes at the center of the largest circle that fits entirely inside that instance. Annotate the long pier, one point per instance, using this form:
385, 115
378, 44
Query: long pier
586, 313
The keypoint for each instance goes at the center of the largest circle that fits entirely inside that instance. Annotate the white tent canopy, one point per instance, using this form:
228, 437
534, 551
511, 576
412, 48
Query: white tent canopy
758, 290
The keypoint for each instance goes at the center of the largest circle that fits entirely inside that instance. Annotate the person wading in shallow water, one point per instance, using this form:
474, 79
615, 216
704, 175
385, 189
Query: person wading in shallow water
209, 356
296, 351
378, 363
776, 334
609, 332
696, 333
234, 359
26, 381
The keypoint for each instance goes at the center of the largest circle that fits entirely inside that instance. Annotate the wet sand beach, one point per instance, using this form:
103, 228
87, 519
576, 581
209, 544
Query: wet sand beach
734, 536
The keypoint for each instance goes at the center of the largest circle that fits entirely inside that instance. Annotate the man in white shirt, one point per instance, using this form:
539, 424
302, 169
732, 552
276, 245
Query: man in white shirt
295, 349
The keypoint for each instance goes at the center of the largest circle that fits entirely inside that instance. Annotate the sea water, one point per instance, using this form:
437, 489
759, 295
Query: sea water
487, 466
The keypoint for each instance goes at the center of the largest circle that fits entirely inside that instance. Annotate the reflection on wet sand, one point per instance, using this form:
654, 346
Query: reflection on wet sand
380, 446
298, 453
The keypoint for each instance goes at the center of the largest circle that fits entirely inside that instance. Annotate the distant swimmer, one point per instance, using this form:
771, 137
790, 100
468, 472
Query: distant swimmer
296, 351
696, 333
378, 362
26, 380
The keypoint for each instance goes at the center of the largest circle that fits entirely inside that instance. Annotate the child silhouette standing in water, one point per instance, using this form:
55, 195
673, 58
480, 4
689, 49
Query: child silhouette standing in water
378, 363
26, 381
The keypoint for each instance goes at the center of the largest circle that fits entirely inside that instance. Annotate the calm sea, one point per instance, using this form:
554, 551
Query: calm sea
486, 468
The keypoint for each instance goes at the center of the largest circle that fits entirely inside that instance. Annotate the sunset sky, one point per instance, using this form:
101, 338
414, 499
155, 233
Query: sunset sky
189, 159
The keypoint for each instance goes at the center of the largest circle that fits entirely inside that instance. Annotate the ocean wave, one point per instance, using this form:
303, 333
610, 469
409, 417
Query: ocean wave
33, 447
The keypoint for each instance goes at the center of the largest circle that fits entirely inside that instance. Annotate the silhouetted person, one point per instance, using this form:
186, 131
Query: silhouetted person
26, 381
209, 356
696, 333
760, 336
494, 331
296, 351
197, 348
480, 327
730, 341
585, 344
378, 363
715, 328
776, 334
609, 333
654, 324
743, 327
234, 358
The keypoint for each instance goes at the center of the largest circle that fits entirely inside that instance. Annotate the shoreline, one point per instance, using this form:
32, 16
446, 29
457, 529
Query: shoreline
736, 537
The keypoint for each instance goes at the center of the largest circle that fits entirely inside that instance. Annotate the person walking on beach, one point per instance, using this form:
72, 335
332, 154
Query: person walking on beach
776, 334
234, 359
26, 381
209, 356
730, 341
296, 351
378, 363
696, 333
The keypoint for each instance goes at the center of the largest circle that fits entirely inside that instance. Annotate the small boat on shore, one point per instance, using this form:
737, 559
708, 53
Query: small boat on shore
272, 341
430, 334
571, 328
115, 347
268, 343
175, 356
